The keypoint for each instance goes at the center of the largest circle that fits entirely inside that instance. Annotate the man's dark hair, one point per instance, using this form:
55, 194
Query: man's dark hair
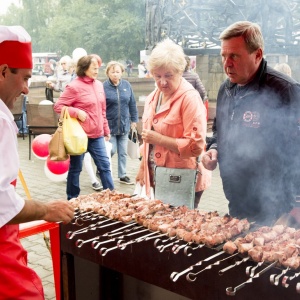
14, 70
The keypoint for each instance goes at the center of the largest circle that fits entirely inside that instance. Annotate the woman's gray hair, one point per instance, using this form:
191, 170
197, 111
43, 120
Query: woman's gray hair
250, 32
112, 64
167, 55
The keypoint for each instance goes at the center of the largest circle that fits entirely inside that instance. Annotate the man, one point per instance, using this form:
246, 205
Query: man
63, 76
257, 122
17, 281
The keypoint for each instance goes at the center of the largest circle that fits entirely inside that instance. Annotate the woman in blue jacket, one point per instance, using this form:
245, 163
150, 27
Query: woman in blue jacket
121, 113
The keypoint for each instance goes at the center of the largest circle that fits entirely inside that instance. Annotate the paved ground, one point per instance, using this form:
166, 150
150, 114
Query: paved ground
41, 188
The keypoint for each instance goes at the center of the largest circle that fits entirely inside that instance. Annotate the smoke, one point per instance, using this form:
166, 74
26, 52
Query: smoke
259, 151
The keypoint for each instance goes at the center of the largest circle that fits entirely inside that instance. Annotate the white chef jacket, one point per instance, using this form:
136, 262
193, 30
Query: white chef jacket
10, 202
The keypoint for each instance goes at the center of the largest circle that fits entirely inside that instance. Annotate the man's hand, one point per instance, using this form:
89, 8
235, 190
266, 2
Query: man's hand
210, 159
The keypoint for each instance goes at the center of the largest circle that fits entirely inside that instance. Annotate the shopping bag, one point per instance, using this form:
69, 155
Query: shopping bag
57, 150
133, 147
140, 191
175, 186
75, 139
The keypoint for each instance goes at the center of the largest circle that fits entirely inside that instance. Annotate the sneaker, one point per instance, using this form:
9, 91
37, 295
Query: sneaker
97, 186
126, 180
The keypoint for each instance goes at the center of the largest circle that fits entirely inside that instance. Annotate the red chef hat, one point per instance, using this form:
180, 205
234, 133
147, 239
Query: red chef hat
15, 47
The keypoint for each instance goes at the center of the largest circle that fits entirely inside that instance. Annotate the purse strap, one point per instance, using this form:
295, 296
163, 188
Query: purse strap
156, 110
133, 132
61, 117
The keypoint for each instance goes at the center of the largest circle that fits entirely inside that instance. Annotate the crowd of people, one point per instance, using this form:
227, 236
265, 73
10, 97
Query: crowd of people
256, 133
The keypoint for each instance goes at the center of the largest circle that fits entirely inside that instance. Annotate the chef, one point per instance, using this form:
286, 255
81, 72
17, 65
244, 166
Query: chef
17, 281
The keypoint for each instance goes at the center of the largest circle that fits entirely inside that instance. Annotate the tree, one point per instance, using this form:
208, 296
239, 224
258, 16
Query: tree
114, 29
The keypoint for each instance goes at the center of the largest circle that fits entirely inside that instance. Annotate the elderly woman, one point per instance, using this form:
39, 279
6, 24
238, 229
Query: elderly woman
174, 120
85, 99
121, 114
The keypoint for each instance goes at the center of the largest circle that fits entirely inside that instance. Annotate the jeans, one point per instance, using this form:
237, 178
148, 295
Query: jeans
97, 149
119, 144
24, 117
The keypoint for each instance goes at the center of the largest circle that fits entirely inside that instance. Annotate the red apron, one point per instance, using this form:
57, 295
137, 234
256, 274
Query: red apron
17, 281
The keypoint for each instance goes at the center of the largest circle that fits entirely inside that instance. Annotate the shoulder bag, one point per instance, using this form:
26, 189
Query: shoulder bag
175, 186
57, 150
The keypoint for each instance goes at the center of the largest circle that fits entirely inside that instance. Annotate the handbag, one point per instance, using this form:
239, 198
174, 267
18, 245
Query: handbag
175, 186
57, 150
133, 146
75, 138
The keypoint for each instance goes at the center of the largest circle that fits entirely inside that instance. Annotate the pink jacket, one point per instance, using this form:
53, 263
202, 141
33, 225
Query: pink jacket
86, 94
184, 118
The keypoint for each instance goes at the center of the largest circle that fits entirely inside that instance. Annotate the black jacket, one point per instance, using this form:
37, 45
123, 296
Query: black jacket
258, 144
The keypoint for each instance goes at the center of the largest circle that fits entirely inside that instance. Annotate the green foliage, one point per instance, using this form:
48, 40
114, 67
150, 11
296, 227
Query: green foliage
113, 29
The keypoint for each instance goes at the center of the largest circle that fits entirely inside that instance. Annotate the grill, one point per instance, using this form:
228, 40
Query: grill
98, 255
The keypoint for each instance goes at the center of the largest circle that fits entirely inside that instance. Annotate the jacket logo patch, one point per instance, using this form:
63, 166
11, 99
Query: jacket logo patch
251, 119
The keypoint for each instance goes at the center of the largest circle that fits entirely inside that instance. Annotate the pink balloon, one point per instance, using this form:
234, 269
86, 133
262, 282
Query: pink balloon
40, 146
58, 167
54, 177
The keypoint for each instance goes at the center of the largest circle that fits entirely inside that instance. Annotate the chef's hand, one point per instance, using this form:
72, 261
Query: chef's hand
210, 159
81, 115
59, 210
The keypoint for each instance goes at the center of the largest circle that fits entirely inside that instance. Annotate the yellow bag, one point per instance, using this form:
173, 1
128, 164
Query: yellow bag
75, 139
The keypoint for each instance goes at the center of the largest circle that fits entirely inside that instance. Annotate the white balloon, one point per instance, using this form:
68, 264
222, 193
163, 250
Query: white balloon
78, 53
54, 177
46, 102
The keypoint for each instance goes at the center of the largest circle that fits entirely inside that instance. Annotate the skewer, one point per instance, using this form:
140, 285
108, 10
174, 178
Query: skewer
111, 234
274, 278
97, 244
79, 221
176, 248
145, 237
191, 277
118, 229
221, 272
79, 243
85, 216
192, 248
71, 234
158, 241
285, 279
103, 251
175, 275
155, 237
121, 244
231, 291
162, 248
250, 270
